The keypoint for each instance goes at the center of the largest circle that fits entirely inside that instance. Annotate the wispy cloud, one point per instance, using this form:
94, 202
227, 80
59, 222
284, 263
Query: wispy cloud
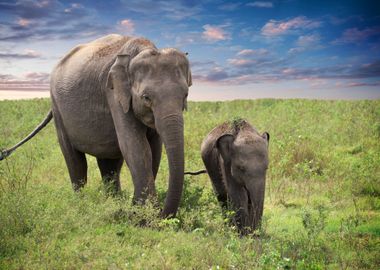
306, 43
271, 69
27, 81
355, 35
241, 62
48, 19
27, 54
215, 33
31, 9
230, 6
174, 10
361, 84
250, 52
308, 40
296, 50
261, 4
23, 22
184, 39
276, 28
216, 74
127, 26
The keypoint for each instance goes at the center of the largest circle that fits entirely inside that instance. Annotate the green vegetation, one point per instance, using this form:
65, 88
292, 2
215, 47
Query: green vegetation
321, 208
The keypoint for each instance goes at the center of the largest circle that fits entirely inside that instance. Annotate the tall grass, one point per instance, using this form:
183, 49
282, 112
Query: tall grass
321, 207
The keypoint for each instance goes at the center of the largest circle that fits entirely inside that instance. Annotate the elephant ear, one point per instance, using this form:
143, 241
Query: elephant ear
266, 136
224, 145
118, 80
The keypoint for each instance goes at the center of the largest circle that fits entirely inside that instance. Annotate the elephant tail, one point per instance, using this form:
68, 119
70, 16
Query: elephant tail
197, 172
7, 152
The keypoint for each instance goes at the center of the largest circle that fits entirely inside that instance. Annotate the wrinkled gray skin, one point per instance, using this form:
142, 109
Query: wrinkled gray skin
236, 159
118, 98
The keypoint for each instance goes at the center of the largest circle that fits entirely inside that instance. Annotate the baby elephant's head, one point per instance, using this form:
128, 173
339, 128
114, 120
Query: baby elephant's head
246, 157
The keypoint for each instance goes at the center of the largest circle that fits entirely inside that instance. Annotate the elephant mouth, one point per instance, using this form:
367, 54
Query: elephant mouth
146, 117
249, 207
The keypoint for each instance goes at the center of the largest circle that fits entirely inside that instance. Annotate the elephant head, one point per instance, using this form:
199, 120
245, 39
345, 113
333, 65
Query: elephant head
154, 84
245, 159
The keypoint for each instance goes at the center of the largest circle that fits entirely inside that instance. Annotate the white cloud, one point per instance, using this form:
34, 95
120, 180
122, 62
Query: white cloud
261, 4
26, 54
73, 7
308, 40
31, 53
171, 9
276, 28
230, 6
296, 50
250, 52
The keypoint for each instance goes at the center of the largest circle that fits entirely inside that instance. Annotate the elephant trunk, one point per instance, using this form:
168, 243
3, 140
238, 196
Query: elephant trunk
256, 191
170, 129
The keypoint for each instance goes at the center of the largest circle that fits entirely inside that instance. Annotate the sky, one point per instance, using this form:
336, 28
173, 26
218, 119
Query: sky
237, 49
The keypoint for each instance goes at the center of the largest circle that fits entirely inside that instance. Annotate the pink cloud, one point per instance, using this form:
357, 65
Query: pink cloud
360, 84
276, 28
127, 26
241, 62
214, 33
28, 81
23, 22
354, 35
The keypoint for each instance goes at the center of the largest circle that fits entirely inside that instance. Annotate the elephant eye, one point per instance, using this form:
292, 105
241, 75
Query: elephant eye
240, 168
146, 98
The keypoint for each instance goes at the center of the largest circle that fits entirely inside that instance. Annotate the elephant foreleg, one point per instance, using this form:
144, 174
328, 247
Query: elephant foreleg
139, 160
238, 196
211, 161
135, 148
110, 171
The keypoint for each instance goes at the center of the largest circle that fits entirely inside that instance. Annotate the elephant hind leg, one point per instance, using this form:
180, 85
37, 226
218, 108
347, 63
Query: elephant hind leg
75, 160
77, 166
110, 171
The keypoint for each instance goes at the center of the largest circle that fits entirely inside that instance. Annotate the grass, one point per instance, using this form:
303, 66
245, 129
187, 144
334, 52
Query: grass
321, 207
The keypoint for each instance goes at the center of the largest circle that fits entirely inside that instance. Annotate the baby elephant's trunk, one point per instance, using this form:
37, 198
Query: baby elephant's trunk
256, 192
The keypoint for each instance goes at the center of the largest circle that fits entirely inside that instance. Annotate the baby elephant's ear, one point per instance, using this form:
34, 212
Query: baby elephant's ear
265, 136
224, 145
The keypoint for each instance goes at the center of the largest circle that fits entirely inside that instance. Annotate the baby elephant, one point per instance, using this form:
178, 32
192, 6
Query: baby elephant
236, 159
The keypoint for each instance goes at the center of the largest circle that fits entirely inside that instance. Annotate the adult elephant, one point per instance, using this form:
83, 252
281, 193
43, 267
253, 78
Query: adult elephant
118, 98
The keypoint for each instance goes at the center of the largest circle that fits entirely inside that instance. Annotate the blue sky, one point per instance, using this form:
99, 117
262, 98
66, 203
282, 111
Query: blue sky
237, 49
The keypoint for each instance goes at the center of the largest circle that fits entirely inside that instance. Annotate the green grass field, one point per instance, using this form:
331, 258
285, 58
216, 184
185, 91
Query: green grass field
321, 207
